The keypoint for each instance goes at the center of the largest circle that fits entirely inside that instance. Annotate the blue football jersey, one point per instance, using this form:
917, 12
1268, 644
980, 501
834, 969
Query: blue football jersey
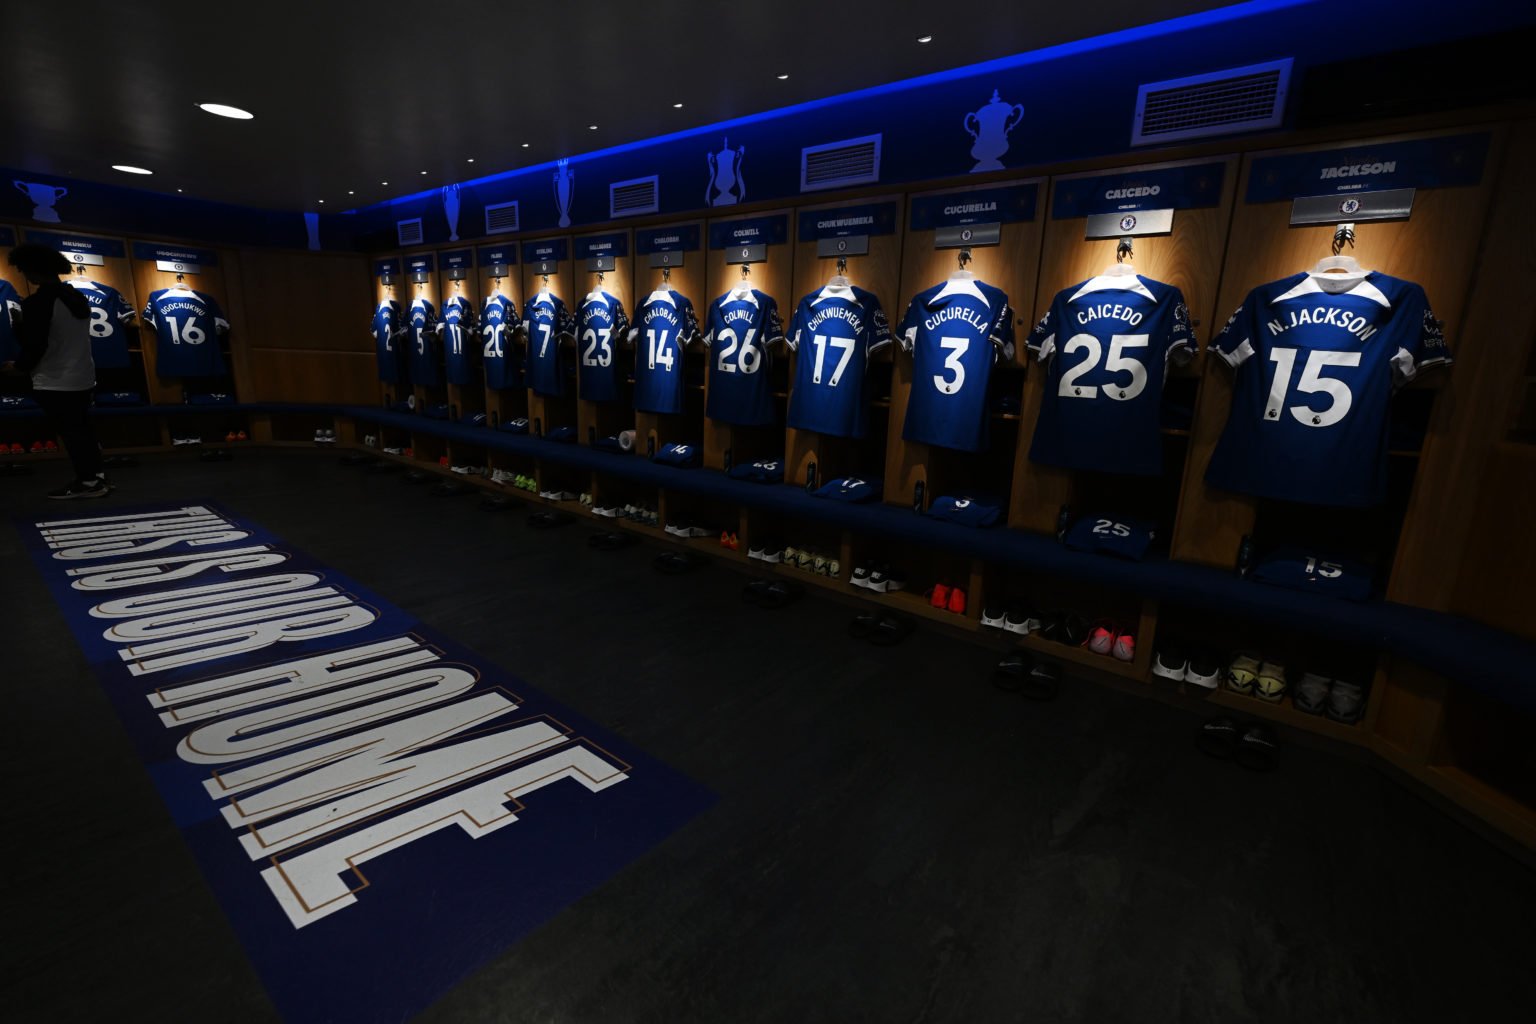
10, 306
600, 325
547, 322
1117, 536
955, 332
1106, 344
974, 510
1317, 358
763, 471
1299, 569
110, 317
388, 326
423, 353
849, 488
457, 331
664, 326
186, 325
742, 324
686, 455
834, 332
498, 323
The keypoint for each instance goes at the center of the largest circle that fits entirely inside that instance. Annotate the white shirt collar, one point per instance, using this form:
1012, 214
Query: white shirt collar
742, 293
961, 286
831, 292
660, 295
1360, 286
1112, 283
84, 285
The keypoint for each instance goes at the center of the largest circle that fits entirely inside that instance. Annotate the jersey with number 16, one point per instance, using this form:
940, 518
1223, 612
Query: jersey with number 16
187, 325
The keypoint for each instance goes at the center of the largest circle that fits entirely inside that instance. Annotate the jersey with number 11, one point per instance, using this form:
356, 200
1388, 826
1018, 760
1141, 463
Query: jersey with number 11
955, 332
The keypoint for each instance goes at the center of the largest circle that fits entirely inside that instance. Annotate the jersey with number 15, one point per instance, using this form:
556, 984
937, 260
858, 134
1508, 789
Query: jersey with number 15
1317, 358
186, 325
955, 332
664, 326
547, 322
742, 324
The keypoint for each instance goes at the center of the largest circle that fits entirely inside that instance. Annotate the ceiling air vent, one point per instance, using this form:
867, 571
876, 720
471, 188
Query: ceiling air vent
409, 231
1222, 103
501, 217
839, 164
637, 195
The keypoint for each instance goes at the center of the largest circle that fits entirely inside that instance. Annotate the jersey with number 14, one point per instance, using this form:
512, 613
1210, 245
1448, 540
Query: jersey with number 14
186, 325
498, 322
664, 326
1106, 344
1317, 358
600, 325
742, 324
547, 322
955, 332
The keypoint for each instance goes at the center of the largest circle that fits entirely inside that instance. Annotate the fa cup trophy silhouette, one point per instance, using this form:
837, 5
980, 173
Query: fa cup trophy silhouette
989, 127
726, 187
565, 188
43, 199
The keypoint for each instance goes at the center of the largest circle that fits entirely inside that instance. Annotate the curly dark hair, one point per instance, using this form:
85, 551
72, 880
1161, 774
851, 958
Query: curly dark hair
38, 260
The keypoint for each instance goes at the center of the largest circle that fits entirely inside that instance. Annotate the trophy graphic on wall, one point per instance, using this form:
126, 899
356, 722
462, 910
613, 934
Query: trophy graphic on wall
565, 188
43, 199
989, 128
451, 210
312, 228
726, 187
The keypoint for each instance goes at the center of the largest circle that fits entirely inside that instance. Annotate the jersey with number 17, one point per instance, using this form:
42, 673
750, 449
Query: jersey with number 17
664, 326
955, 332
186, 325
742, 324
834, 333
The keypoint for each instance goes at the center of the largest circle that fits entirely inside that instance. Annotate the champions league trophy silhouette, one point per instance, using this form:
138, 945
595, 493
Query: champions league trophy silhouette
989, 127
451, 210
43, 198
565, 187
726, 187
312, 227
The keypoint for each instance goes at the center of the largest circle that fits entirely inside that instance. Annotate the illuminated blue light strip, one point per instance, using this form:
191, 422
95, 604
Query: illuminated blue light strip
1202, 19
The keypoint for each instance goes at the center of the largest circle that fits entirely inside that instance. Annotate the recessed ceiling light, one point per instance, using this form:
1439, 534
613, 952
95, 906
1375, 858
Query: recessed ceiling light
677, 106
925, 39
470, 160
319, 200
782, 77
423, 172
178, 190
129, 169
591, 127
525, 145
350, 192
223, 110
383, 183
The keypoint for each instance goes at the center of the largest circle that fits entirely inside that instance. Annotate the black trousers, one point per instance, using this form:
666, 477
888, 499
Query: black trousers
68, 415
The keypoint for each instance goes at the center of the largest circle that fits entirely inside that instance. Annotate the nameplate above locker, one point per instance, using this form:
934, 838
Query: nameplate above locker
543, 257
974, 217
420, 267
175, 260
602, 251
1129, 225
747, 241
664, 247
1443, 162
845, 230
387, 270
456, 263
82, 252
496, 259
1136, 203
1388, 204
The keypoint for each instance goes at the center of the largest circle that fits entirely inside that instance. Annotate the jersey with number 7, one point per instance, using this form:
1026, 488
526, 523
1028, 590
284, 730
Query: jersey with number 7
1317, 359
955, 332
547, 322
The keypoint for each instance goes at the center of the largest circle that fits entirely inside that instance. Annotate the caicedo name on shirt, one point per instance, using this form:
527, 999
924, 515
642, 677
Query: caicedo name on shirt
1113, 311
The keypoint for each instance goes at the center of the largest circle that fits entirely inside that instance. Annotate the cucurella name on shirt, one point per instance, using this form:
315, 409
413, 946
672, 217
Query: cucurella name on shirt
1359, 326
948, 313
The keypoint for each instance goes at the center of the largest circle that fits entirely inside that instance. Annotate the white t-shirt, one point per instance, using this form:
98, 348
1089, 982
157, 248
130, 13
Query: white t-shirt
67, 364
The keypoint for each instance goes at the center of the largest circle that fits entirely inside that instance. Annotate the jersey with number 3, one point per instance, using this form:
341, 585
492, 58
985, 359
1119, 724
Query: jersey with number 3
457, 331
1317, 359
186, 325
955, 332
110, 317
742, 324
547, 322
498, 322
1106, 344
664, 326
600, 325
833, 334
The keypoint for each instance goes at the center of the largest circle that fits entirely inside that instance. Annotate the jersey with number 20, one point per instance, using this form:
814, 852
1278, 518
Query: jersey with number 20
664, 326
955, 332
498, 322
1317, 358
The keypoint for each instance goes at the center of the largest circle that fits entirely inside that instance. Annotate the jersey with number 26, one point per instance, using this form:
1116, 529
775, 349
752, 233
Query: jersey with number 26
955, 332
742, 324
664, 326
1317, 358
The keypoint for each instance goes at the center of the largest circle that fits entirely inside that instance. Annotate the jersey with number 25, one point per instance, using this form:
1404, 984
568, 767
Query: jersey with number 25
1317, 358
955, 332
664, 326
742, 324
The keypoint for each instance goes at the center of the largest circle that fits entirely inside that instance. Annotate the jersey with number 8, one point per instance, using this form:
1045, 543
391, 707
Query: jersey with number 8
742, 324
955, 332
110, 317
1317, 359
1106, 343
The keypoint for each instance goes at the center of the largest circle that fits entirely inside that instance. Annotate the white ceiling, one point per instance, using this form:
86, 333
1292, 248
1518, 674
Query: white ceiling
349, 95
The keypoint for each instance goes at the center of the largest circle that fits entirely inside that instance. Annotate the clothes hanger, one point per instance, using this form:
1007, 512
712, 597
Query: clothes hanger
1125, 254
840, 279
961, 274
1343, 235
744, 286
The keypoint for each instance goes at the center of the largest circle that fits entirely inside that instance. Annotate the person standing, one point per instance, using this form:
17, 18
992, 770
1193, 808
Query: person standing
55, 341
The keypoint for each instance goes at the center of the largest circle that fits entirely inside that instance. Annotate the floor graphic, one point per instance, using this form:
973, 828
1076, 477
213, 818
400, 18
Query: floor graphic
377, 810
